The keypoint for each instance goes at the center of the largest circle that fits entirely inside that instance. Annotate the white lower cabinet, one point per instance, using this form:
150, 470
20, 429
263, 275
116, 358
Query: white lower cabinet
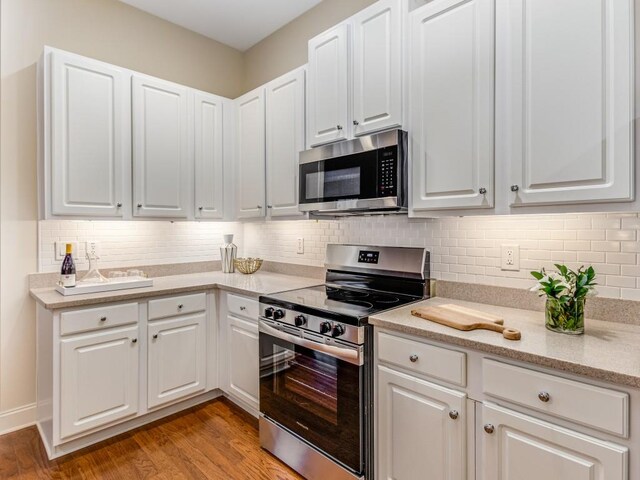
520, 447
99, 375
421, 429
177, 359
242, 375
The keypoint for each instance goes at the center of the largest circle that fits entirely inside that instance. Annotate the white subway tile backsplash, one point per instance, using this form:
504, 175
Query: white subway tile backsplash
462, 248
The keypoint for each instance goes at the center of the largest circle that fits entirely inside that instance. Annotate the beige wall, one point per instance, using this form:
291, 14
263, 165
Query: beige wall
104, 29
286, 49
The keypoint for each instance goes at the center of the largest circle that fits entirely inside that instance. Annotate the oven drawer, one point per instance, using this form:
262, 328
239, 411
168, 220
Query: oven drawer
596, 407
436, 362
99, 318
173, 306
242, 306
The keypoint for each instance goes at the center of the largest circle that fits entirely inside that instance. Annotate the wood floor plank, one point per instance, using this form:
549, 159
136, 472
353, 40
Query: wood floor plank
216, 440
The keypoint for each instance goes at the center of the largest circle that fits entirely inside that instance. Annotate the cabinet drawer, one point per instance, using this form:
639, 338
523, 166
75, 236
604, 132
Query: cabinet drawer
596, 407
440, 363
89, 319
243, 306
172, 306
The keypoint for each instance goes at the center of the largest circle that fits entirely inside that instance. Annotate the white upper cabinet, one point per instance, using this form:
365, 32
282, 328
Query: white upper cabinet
519, 447
86, 109
452, 104
377, 67
208, 155
162, 167
250, 154
285, 140
328, 89
566, 73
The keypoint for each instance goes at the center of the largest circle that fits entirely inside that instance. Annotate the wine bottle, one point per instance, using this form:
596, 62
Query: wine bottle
68, 271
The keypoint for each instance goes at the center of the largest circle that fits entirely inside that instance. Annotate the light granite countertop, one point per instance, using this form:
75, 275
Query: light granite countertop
607, 351
259, 283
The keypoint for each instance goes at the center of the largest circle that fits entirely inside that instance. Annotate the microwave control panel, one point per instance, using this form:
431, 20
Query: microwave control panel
387, 172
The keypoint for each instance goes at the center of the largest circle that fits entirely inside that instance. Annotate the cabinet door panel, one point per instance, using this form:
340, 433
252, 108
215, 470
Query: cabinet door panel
451, 96
377, 67
98, 380
285, 140
524, 448
416, 435
569, 106
162, 171
328, 94
177, 359
90, 137
242, 344
251, 155
208, 131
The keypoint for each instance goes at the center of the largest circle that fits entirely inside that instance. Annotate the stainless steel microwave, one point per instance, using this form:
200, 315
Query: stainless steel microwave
355, 177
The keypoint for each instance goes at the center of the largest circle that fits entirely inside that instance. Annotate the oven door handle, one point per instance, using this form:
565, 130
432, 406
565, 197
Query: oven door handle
347, 354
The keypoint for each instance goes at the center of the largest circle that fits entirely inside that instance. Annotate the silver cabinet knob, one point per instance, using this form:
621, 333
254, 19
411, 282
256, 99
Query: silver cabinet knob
356, 123
155, 336
339, 127
489, 428
243, 308
544, 397
135, 340
180, 306
119, 204
515, 188
453, 414
413, 358
269, 206
482, 191
200, 208
258, 206
103, 319
139, 205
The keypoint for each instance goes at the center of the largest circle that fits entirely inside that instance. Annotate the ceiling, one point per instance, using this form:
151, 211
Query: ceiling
237, 23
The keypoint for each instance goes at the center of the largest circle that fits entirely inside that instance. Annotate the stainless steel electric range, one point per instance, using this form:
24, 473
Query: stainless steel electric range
316, 378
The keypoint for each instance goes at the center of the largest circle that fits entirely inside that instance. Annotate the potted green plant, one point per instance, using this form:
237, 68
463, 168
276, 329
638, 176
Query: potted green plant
566, 291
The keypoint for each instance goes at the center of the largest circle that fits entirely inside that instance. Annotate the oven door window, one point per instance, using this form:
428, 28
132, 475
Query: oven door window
343, 178
314, 395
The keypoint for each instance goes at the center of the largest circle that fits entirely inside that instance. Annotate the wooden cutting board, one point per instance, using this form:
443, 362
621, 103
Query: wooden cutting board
462, 318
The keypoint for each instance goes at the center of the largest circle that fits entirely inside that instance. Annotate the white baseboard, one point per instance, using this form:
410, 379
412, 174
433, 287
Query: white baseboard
18, 418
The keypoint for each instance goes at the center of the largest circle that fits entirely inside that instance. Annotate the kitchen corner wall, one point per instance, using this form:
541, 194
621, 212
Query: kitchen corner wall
467, 249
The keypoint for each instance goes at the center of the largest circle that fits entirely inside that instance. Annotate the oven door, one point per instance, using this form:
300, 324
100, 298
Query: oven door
314, 390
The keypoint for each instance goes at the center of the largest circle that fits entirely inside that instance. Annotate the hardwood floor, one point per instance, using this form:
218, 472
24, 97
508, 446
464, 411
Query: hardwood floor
216, 440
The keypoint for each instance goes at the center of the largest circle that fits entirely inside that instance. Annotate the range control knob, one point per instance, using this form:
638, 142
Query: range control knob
268, 312
325, 327
278, 314
337, 330
300, 321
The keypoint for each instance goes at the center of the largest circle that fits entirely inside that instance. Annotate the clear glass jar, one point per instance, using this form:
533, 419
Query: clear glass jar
565, 317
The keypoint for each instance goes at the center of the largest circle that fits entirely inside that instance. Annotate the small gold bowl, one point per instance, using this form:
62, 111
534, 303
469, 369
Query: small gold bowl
248, 265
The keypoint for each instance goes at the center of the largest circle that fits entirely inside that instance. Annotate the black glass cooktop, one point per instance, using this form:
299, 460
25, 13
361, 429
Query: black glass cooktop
326, 300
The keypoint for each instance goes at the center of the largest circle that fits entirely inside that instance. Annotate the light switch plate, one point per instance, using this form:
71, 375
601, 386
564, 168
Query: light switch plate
510, 257
300, 249
92, 247
61, 249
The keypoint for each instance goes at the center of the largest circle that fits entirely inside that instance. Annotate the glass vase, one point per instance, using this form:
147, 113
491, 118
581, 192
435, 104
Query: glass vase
567, 317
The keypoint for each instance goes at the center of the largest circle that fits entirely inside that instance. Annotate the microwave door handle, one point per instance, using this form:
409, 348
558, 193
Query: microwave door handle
343, 353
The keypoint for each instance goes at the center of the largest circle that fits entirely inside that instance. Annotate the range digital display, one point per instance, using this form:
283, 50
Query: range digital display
368, 256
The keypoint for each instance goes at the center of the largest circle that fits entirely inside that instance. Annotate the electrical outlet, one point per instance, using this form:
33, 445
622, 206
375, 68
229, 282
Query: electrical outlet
300, 250
92, 248
510, 257
61, 249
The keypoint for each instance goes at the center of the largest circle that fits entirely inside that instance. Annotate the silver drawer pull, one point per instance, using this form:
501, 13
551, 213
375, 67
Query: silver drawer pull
135, 340
103, 319
489, 428
453, 414
180, 306
155, 336
544, 397
413, 358
243, 308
